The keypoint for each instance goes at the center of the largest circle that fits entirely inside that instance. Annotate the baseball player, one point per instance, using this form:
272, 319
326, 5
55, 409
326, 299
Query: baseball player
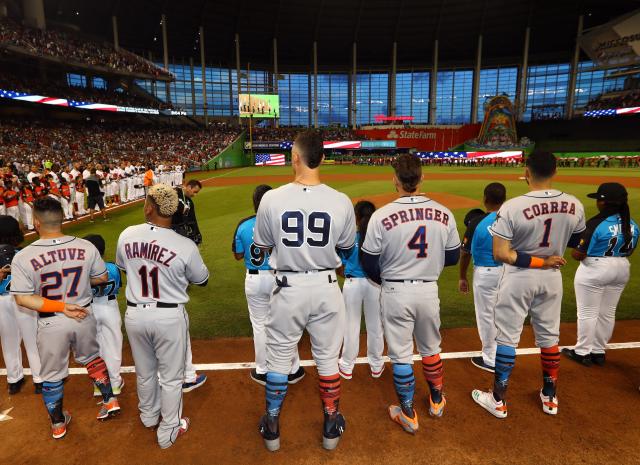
477, 243
360, 293
108, 319
258, 286
80, 195
26, 211
408, 243
303, 223
16, 324
160, 264
611, 236
530, 235
11, 198
53, 276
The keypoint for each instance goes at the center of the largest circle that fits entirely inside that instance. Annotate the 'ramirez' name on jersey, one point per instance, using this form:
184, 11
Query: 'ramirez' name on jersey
540, 222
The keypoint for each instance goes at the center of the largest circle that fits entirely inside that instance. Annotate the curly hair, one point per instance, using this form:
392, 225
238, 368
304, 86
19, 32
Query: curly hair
164, 198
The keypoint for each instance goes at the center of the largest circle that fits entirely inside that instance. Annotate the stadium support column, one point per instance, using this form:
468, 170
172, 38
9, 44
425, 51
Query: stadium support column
165, 55
116, 38
237, 40
354, 89
392, 81
433, 85
34, 13
275, 75
524, 71
193, 88
315, 84
203, 65
475, 94
571, 91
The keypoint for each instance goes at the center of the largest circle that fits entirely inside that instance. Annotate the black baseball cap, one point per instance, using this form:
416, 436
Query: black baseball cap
472, 215
610, 192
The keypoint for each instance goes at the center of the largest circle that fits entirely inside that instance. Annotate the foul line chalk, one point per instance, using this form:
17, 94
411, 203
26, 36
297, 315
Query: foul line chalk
359, 360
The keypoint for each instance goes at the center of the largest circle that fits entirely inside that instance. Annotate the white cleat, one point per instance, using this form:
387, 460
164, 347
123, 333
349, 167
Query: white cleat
486, 401
549, 404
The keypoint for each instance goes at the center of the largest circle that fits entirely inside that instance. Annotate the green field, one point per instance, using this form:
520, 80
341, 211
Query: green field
220, 308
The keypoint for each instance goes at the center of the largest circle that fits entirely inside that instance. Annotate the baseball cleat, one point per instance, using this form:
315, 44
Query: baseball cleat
118, 390
59, 430
377, 374
200, 380
581, 359
410, 425
260, 378
598, 359
436, 410
184, 427
270, 431
344, 374
479, 362
549, 404
96, 391
15, 388
486, 400
297, 376
109, 409
37, 388
334, 426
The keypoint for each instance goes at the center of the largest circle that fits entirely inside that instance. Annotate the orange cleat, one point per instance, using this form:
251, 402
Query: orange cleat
59, 430
109, 409
410, 425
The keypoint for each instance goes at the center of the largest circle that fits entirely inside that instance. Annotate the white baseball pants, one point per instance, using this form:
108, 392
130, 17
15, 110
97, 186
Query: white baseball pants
18, 325
258, 289
14, 211
123, 190
109, 334
67, 208
359, 294
598, 284
80, 203
26, 213
485, 294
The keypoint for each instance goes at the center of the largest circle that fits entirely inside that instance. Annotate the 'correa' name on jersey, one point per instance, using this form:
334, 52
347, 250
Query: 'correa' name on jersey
149, 251
415, 214
549, 208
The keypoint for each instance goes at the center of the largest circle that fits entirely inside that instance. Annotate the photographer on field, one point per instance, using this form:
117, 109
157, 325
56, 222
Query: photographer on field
184, 221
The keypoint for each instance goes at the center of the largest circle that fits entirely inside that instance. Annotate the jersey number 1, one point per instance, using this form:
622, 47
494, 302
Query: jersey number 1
144, 281
547, 232
419, 242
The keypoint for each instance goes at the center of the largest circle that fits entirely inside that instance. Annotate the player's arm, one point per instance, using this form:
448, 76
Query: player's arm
40, 304
452, 247
197, 272
502, 252
465, 261
103, 278
237, 248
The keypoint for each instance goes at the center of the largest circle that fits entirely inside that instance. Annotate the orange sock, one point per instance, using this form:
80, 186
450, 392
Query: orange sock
434, 374
550, 358
330, 392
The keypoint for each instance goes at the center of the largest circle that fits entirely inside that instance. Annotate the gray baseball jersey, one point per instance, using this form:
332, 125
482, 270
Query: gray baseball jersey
57, 269
304, 225
540, 222
159, 263
411, 235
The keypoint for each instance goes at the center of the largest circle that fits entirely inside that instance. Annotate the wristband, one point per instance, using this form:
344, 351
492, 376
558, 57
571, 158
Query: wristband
524, 260
51, 306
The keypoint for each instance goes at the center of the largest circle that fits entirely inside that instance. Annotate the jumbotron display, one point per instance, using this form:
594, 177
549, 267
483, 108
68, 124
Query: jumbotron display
259, 105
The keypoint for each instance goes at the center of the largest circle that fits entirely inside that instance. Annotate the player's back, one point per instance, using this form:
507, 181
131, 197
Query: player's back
411, 235
305, 225
482, 243
607, 238
111, 287
160, 264
254, 257
540, 223
57, 269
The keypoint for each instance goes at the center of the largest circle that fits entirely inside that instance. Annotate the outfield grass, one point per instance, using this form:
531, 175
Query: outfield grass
220, 308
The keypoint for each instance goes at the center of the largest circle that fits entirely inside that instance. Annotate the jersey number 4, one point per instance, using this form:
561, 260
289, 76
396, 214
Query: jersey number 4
318, 228
419, 242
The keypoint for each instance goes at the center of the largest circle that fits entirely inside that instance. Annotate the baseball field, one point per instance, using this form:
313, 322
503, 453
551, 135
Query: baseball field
599, 420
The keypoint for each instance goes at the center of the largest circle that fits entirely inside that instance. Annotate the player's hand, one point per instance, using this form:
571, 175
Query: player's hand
75, 312
463, 286
553, 261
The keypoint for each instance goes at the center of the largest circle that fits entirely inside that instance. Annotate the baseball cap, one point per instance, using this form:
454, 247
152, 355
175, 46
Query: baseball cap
610, 192
471, 215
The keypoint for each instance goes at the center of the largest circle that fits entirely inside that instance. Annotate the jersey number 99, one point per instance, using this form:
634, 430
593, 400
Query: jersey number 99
318, 229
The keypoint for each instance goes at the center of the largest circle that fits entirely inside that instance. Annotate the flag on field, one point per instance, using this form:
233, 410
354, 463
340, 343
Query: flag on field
270, 159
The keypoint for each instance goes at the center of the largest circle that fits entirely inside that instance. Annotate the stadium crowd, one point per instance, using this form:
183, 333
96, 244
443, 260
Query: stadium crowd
30, 141
626, 100
289, 133
67, 47
58, 88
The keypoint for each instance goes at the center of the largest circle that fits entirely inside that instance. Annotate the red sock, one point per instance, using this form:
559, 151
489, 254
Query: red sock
550, 358
330, 392
434, 374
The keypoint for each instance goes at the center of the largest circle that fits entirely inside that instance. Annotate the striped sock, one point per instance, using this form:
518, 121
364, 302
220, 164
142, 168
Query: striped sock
550, 358
52, 393
434, 374
98, 372
276, 390
505, 360
405, 384
330, 392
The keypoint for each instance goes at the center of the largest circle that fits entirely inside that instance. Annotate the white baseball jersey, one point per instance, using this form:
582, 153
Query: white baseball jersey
160, 264
411, 235
540, 223
304, 225
57, 269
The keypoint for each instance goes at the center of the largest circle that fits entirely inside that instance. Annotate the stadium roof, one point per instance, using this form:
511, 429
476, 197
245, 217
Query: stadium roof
335, 24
